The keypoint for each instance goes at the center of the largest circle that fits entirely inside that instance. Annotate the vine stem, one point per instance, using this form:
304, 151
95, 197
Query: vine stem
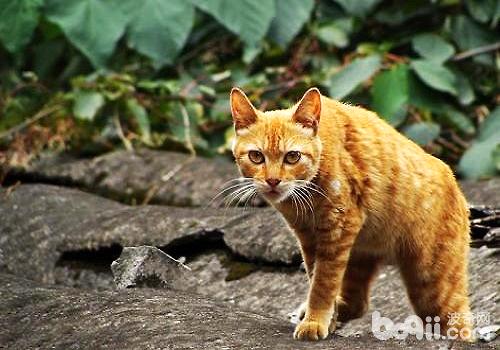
126, 142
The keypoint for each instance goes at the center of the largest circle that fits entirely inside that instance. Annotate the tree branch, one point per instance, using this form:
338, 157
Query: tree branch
476, 51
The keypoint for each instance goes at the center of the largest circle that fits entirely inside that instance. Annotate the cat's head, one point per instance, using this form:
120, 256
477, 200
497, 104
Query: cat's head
279, 150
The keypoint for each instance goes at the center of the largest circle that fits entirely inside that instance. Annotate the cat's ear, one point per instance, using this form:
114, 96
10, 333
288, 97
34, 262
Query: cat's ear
308, 110
244, 113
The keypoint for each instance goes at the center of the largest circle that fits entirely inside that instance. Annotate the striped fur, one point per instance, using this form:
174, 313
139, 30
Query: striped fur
391, 202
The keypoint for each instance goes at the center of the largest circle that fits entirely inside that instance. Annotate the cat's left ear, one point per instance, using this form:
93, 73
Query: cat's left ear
308, 110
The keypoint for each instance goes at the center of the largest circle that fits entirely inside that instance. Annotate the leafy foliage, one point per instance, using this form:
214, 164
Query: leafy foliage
159, 29
349, 77
158, 72
390, 94
19, 19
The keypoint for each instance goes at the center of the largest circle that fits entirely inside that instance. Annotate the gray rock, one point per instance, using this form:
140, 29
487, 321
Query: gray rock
264, 289
133, 176
489, 333
255, 237
36, 316
2, 260
41, 222
147, 266
485, 192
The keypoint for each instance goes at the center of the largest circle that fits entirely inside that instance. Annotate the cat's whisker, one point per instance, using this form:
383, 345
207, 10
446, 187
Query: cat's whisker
300, 200
307, 199
313, 187
294, 201
237, 194
233, 193
253, 193
221, 192
240, 179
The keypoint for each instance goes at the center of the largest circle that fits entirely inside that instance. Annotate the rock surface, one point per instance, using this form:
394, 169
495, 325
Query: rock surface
36, 316
485, 192
147, 266
40, 222
132, 176
166, 177
278, 291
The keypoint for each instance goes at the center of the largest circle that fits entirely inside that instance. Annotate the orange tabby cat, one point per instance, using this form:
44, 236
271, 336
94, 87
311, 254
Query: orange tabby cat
357, 194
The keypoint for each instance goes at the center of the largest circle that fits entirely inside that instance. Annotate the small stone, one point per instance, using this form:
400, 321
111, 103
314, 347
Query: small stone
147, 266
488, 333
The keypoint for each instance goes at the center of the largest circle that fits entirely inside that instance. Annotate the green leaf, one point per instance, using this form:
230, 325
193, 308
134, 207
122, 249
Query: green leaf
160, 28
458, 120
249, 19
359, 8
359, 70
423, 97
332, 34
93, 26
496, 157
87, 104
470, 35
250, 52
18, 20
390, 93
141, 117
491, 126
292, 14
422, 133
481, 10
435, 75
432, 47
478, 162
465, 91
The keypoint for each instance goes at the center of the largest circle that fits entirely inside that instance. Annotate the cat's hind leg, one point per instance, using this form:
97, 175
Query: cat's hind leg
355, 295
435, 275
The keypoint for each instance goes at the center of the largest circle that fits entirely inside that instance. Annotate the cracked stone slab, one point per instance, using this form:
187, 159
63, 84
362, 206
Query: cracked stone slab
132, 176
40, 222
37, 316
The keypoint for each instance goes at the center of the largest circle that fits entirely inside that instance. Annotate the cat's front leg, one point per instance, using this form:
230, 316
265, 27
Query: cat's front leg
334, 240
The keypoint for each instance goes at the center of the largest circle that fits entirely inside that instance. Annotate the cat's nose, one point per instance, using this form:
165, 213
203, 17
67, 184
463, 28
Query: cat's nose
273, 182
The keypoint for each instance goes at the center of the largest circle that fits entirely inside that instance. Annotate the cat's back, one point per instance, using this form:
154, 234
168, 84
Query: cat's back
399, 180
374, 145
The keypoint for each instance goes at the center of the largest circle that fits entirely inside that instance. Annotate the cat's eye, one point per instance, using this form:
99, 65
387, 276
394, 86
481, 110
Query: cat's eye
292, 157
256, 157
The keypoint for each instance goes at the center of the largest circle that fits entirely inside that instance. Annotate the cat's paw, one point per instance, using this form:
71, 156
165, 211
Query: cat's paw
310, 330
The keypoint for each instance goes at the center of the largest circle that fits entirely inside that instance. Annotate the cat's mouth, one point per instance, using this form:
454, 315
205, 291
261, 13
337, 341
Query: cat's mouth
275, 195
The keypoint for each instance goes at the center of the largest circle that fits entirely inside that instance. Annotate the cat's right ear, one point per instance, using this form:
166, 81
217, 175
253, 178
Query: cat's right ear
244, 113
